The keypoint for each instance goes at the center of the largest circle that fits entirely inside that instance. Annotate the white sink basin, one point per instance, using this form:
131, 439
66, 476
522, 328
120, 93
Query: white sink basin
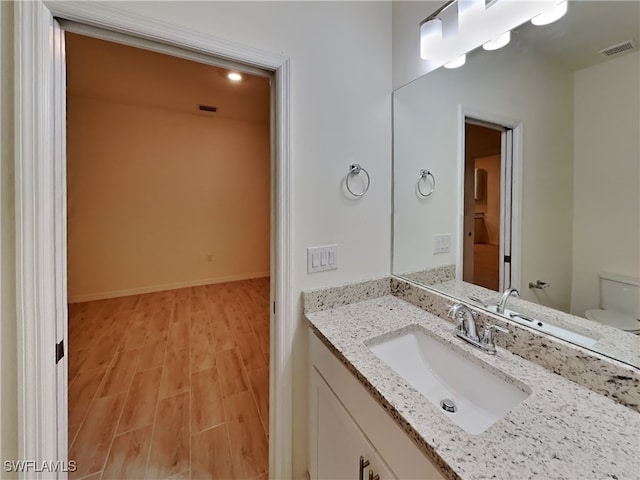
571, 335
441, 372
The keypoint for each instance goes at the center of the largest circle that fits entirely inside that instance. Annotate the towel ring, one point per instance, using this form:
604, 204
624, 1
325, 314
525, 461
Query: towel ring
423, 176
355, 169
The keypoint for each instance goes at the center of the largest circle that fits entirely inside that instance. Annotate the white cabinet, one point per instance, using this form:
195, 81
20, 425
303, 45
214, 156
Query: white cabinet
346, 423
341, 446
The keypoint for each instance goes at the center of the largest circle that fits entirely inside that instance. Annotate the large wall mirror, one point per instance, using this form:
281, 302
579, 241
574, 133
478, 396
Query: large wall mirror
521, 169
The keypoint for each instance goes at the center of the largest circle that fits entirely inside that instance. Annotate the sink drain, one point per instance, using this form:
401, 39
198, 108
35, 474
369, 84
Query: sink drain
448, 405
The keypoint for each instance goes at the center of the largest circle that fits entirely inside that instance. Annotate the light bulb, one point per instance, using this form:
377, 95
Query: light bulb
234, 76
555, 13
430, 36
458, 62
498, 42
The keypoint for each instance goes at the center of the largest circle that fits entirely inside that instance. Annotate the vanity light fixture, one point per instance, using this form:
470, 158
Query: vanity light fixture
449, 33
553, 14
498, 42
430, 35
234, 76
469, 10
458, 62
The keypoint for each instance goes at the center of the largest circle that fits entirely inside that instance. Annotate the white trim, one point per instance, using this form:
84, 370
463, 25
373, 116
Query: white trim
35, 237
460, 192
137, 42
516, 207
37, 243
90, 297
506, 189
59, 116
516, 200
2, 401
282, 328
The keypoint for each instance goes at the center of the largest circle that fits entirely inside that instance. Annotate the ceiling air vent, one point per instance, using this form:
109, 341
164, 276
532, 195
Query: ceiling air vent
619, 48
207, 108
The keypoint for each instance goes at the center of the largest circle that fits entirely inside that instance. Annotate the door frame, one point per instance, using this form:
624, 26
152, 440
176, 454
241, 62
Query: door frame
40, 211
516, 126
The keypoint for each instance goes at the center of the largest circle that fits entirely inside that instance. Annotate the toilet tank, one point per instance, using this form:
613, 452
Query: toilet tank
620, 293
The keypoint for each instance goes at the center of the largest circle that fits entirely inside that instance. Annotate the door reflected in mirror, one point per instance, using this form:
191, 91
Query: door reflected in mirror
483, 211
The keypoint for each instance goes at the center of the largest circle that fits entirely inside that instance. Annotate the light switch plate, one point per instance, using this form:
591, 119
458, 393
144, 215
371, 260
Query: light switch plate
442, 243
322, 258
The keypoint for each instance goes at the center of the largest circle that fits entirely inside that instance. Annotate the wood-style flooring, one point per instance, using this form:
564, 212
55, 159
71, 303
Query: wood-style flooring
486, 265
171, 385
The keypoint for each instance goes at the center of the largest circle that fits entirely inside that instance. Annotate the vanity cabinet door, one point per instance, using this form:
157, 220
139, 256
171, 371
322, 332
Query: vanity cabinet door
381, 469
345, 422
339, 440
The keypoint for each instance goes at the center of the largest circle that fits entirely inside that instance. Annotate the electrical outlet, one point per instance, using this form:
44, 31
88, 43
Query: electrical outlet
442, 243
322, 258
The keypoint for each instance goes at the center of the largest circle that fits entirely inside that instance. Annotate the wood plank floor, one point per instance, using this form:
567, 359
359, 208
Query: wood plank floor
486, 265
171, 385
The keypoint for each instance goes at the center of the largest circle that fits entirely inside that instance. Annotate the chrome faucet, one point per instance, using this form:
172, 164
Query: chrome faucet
505, 296
466, 328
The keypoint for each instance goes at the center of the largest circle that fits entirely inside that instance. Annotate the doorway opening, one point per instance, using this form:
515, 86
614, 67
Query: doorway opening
487, 217
41, 215
169, 223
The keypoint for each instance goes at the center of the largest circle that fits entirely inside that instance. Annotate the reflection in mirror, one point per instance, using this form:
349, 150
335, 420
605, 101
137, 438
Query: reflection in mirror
535, 151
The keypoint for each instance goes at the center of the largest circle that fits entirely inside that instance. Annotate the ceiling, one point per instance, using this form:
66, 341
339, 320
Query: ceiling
588, 27
123, 74
119, 73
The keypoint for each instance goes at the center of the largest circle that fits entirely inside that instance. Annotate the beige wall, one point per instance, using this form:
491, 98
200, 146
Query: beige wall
490, 204
8, 360
152, 192
484, 146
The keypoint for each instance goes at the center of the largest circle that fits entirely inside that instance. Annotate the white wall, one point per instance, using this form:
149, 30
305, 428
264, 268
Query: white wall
407, 15
426, 129
8, 359
606, 219
341, 113
425, 137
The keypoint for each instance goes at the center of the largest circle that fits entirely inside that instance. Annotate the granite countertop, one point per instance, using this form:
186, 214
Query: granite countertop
612, 342
561, 431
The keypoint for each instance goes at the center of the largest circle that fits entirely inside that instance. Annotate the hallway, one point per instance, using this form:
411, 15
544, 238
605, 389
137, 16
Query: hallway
172, 384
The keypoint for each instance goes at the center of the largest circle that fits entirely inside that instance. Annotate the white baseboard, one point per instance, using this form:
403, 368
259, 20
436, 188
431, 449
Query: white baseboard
160, 288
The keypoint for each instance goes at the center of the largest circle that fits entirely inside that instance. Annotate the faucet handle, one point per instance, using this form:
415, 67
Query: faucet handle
490, 328
488, 343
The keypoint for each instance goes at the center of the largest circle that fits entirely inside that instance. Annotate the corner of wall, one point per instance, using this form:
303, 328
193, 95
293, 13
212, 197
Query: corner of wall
8, 359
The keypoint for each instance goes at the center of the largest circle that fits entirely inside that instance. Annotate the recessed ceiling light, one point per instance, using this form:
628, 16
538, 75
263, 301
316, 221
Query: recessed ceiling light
234, 76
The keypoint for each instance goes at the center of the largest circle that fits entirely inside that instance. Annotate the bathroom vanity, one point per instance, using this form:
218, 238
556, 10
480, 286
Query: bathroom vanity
351, 432
361, 406
497, 180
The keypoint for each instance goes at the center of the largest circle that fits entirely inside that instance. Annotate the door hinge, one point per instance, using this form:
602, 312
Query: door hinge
507, 259
59, 351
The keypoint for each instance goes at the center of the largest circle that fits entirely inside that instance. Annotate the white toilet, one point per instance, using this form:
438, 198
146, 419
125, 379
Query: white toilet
620, 302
